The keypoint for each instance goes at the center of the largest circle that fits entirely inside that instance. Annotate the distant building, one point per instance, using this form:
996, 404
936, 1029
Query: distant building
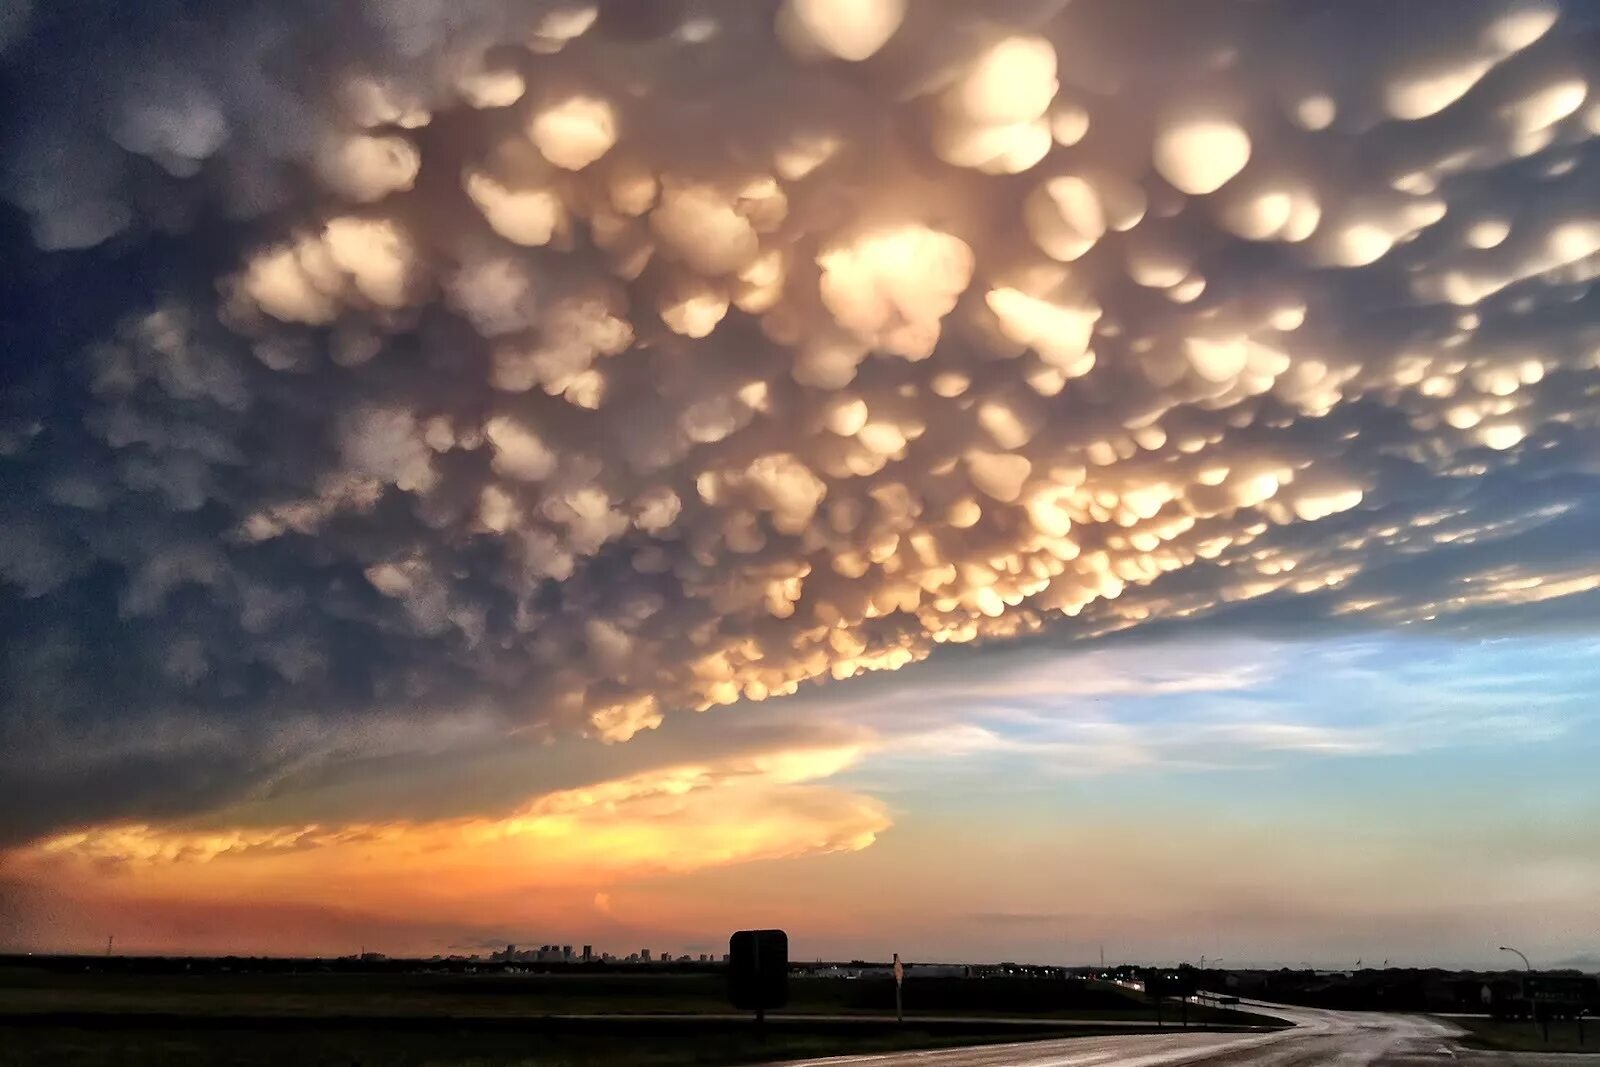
588, 953
644, 955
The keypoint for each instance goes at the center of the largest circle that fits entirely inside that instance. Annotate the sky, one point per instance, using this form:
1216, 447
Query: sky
977, 481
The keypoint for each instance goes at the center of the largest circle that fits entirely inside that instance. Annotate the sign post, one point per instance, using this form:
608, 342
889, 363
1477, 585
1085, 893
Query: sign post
758, 971
899, 980
1159, 985
1558, 996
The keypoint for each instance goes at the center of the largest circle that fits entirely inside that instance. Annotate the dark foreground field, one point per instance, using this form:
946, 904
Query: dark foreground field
370, 1041
659, 1020
24, 990
1522, 1036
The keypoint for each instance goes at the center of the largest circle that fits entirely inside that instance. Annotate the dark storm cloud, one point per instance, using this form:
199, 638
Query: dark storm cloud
558, 366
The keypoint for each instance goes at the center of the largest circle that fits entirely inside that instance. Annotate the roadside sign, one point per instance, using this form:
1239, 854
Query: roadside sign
1161, 983
1559, 988
758, 970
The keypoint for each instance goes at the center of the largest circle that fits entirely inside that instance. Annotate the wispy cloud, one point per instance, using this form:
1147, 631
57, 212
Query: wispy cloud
1226, 704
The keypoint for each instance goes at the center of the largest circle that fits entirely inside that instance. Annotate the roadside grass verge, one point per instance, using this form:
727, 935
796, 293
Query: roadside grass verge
1522, 1036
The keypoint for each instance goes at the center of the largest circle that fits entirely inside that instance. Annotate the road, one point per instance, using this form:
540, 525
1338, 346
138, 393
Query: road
1318, 1039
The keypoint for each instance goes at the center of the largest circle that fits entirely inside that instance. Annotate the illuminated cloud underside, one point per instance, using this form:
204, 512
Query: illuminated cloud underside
673, 820
588, 365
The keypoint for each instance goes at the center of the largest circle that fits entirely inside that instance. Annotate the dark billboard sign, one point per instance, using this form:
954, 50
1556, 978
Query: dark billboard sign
1180, 983
758, 970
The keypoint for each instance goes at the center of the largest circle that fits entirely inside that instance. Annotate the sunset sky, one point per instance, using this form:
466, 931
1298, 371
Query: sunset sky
973, 480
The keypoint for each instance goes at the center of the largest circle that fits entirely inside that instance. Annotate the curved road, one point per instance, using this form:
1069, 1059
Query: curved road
1332, 1038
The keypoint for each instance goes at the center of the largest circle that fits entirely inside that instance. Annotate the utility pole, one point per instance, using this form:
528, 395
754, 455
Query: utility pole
110, 939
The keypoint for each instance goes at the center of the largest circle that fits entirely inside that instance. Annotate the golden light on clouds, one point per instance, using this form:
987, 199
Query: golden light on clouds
499, 370
642, 368
669, 821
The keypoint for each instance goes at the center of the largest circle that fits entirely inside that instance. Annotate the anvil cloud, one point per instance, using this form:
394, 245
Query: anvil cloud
395, 367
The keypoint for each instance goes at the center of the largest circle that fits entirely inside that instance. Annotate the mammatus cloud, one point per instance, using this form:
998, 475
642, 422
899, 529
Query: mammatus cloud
576, 363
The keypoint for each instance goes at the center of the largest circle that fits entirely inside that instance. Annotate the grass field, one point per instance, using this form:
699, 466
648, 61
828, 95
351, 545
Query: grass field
523, 995
363, 1041
94, 1018
1526, 1037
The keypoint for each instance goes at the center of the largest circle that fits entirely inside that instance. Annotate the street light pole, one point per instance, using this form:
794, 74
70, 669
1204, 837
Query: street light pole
1525, 963
1533, 1012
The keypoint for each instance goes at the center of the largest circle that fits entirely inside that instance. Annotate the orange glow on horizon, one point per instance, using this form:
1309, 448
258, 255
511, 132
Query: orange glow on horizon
558, 848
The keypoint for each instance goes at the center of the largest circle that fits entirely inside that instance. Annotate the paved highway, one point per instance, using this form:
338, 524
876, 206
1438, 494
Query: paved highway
1319, 1038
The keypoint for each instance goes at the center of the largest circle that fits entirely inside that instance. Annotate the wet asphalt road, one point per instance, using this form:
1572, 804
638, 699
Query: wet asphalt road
1334, 1038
